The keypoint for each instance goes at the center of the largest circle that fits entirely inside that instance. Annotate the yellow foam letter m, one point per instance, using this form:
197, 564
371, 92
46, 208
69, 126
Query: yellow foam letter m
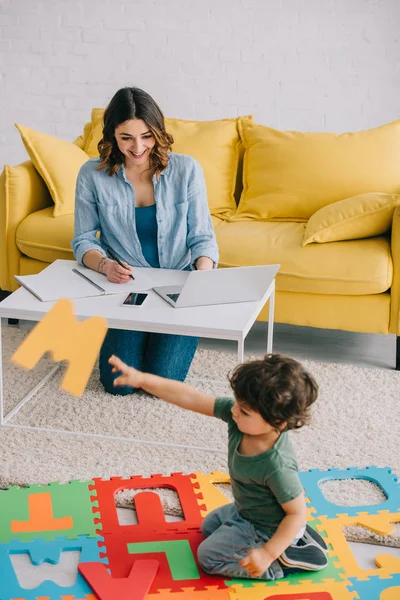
67, 339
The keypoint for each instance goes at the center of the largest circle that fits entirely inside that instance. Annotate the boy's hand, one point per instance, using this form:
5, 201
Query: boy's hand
256, 561
129, 375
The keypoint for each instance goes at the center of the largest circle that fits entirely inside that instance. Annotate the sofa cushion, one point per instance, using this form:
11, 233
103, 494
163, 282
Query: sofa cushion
355, 267
215, 144
45, 238
95, 132
58, 162
42, 237
291, 174
354, 218
82, 140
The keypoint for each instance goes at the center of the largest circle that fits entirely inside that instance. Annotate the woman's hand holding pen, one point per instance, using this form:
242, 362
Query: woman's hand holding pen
115, 273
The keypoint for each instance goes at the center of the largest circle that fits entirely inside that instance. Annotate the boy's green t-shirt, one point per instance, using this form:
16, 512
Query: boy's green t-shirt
260, 484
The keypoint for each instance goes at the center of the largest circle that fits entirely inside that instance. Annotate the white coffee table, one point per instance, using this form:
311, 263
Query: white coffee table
225, 321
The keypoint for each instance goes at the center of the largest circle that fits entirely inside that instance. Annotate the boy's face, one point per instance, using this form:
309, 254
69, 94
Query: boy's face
249, 421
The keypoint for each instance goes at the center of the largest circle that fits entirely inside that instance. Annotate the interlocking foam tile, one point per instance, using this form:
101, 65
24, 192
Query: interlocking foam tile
135, 587
208, 496
343, 553
147, 504
376, 588
87, 597
57, 510
306, 590
176, 552
77, 510
41, 551
210, 593
383, 477
333, 571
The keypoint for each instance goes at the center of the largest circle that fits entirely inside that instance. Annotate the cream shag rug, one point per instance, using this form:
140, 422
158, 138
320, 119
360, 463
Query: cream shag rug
355, 422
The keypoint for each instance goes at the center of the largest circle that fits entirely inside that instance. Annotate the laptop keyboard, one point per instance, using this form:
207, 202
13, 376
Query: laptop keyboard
174, 297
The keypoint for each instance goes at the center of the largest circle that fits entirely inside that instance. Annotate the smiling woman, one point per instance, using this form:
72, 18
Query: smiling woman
150, 206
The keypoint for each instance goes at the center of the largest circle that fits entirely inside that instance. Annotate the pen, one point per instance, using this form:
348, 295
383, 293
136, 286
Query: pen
112, 255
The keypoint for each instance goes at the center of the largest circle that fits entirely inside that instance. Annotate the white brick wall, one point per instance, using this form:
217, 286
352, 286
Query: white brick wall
294, 64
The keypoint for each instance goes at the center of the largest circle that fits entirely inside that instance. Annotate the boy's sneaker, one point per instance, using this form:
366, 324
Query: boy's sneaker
310, 536
307, 557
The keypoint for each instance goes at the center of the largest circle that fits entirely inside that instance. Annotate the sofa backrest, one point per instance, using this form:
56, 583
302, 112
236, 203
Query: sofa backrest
291, 174
215, 144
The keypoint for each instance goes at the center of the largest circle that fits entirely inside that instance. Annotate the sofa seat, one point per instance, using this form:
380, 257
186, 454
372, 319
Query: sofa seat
44, 237
356, 267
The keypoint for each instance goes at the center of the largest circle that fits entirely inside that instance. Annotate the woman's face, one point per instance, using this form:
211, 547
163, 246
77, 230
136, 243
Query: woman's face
135, 141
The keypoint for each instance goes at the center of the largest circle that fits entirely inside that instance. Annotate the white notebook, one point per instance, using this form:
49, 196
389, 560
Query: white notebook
59, 280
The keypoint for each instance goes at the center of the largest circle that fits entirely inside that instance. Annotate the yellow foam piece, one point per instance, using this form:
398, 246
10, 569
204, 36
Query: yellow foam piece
212, 496
379, 523
60, 333
391, 594
209, 593
388, 562
264, 591
342, 551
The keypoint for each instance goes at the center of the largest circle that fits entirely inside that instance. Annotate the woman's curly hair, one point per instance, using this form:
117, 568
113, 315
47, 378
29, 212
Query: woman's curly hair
277, 387
133, 103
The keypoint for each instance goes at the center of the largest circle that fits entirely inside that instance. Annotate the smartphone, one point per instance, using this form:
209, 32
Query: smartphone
134, 299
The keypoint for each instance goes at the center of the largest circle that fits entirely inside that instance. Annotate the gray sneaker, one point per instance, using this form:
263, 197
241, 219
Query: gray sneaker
312, 537
307, 557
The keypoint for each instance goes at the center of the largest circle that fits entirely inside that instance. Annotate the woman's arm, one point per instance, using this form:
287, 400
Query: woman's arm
200, 238
85, 245
93, 259
203, 263
86, 221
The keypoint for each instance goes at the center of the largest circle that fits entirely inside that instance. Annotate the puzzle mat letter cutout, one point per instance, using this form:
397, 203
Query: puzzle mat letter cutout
60, 333
81, 515
41, 515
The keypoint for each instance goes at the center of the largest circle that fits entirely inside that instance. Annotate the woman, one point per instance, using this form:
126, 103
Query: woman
150, 206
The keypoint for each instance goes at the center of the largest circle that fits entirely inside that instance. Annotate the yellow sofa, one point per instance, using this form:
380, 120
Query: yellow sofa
324, 206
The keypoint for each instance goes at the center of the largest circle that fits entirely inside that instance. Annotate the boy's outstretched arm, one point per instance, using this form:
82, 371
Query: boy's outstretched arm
169, 390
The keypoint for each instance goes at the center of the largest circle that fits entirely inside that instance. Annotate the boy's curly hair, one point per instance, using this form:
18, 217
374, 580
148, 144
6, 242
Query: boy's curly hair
277, 387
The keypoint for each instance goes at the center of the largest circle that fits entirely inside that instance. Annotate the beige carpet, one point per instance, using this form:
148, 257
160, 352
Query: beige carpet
356, 422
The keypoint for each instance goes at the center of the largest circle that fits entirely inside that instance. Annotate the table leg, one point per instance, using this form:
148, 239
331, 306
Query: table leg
240, 351
271, 320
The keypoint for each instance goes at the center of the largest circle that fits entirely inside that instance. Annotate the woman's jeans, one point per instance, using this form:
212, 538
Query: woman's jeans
229, 538
158, 353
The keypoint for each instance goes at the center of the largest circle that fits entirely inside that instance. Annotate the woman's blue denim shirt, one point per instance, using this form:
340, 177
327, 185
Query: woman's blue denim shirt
107, 204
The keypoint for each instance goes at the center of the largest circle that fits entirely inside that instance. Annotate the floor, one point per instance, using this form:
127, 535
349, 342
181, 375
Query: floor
370, 350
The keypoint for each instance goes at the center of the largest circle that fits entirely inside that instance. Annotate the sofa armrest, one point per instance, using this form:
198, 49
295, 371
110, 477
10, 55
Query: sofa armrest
22, 192
394, 325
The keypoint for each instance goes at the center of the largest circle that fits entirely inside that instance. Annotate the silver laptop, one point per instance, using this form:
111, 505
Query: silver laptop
220, 286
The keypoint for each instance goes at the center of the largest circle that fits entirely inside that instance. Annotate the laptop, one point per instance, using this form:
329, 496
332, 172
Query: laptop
220, 286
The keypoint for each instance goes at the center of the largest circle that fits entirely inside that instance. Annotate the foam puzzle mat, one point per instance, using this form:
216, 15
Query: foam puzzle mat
156, 559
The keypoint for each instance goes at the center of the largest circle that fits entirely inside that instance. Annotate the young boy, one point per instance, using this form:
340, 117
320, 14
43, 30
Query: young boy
263, 534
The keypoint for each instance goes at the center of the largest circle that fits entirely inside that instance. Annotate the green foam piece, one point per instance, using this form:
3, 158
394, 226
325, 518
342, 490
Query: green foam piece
68, 500
179, 555
330, 572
